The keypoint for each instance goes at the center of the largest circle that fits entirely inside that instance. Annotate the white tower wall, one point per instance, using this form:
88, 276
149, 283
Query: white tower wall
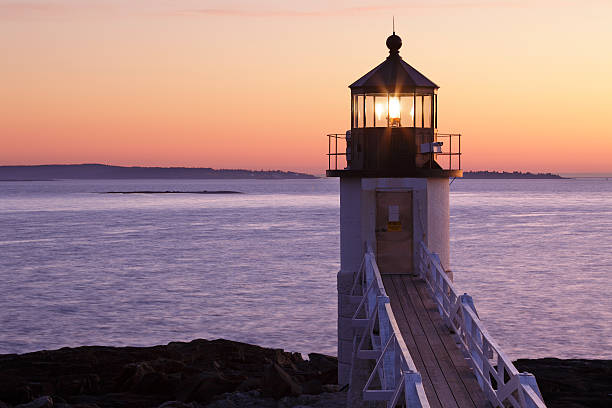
351, 252
438, 234
357, 226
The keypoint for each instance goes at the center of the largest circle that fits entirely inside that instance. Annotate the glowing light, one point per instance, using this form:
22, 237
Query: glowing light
394, 108
379, 109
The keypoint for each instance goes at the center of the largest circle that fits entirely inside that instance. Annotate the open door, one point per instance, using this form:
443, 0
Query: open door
394, 232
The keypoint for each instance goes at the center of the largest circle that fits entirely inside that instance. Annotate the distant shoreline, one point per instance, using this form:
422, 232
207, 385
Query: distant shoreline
509, 175
52, 172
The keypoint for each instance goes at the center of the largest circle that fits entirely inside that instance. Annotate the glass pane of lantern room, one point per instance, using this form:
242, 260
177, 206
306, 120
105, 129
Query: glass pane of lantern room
358, 111
407, 110
418, 118
394, 111
381, 108
427, 111
354, 111
369, 111
435, 111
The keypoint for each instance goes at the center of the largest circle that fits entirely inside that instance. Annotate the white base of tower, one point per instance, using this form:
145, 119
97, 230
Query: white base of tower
358, 212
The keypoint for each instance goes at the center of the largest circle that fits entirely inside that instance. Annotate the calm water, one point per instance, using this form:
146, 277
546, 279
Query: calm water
78, 267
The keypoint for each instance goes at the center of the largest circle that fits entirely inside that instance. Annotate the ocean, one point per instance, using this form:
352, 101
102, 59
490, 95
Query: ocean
80, 267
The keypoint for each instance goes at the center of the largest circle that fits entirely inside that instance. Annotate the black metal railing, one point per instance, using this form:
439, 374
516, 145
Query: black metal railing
451, 148
333, 153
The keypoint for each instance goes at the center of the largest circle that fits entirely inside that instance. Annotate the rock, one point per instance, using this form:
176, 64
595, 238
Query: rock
85, 405
571, 383
76, 384
42, 402
14, 389
179, 404
326, 367
331, 388
249, 399
205, 386
313, 386
132, 375
249, 384
223, 373
324, 400
278, 383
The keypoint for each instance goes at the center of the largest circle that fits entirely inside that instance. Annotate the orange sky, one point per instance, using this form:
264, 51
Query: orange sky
258, 84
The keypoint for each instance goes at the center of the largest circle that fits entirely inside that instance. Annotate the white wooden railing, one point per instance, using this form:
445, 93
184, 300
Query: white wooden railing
378, 338
501, 382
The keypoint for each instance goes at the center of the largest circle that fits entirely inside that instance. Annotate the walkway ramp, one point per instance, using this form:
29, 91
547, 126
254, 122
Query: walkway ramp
424, 345
448, 380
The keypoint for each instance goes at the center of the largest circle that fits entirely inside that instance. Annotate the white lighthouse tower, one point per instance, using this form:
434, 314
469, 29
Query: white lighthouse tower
394, 190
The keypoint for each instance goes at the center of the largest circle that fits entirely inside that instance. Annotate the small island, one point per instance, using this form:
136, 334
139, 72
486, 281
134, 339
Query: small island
107, 172
480, 174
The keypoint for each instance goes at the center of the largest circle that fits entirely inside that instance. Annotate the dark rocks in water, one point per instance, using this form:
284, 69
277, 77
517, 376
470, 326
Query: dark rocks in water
177, 375
571, 383
175, 192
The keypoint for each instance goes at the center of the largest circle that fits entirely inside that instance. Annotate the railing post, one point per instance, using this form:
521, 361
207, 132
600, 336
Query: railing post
529, 380
439, 295
450, 151
386, 332
336, 137
329, 152
468, 329
459, 151
369, 278
414, 391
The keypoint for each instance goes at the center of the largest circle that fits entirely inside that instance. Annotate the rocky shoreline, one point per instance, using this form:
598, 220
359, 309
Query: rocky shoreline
223, 373
201, 373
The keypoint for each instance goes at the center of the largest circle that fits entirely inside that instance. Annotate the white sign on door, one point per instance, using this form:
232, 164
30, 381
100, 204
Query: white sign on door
394, 213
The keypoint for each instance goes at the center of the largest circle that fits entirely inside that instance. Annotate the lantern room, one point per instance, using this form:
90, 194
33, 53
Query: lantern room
394, 120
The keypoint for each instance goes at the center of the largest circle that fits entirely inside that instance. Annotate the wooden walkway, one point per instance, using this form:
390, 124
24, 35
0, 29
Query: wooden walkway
447, 377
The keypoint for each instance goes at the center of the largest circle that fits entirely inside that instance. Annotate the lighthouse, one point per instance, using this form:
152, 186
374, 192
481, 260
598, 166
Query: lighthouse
395, 170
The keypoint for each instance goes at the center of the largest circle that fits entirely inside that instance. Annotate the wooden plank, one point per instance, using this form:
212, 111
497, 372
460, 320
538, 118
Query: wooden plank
400, 318
462, 366
446, 386
430, 363
451, 360
435, 332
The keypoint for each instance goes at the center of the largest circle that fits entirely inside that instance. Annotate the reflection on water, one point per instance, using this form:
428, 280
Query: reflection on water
79, 267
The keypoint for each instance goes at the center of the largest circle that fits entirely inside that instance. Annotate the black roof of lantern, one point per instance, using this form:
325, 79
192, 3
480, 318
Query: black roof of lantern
393, 75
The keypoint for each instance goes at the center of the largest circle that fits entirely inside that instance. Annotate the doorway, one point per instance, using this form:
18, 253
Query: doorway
394, 232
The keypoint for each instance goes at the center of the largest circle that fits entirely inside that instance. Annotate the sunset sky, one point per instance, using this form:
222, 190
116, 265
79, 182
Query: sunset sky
258, 84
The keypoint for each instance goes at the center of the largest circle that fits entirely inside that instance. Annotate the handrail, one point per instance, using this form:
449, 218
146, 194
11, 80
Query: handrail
394, 373
447, 149
333, 149
501, 382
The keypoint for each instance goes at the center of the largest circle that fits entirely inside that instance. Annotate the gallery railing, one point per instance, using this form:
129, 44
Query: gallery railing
394, 375
333, 139
501, 382
446, 153
450, 148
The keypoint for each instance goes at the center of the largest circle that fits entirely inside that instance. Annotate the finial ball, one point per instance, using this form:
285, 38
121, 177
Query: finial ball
394, 43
